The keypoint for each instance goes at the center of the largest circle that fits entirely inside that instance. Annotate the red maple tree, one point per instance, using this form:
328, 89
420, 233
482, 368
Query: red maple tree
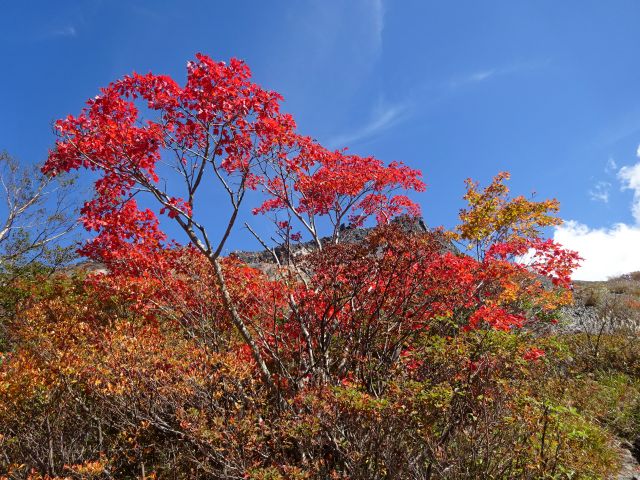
345, 309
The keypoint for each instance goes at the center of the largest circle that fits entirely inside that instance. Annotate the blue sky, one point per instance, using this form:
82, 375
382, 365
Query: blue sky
545, 89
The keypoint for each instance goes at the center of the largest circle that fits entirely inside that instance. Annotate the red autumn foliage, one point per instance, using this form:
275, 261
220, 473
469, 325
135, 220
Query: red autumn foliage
222, 129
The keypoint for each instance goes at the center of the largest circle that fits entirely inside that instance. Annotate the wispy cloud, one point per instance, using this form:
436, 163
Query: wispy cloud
480, 76
68, 31
600, 192
378, 12
490, 73
344, 36
475, 77
624, 127
612, 166
608, 251
388, 116
145, 12
382, 119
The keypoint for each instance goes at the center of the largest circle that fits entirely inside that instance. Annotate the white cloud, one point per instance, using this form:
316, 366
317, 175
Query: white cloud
630, 179
611, 251
600, 192
607, 252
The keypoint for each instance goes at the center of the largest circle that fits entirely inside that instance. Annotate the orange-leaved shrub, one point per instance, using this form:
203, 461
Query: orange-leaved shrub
394, 356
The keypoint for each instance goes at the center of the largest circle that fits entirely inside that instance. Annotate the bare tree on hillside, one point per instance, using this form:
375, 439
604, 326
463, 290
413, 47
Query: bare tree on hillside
37, 213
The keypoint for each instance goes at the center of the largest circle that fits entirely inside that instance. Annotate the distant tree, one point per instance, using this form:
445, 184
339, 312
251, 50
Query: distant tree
38, 212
